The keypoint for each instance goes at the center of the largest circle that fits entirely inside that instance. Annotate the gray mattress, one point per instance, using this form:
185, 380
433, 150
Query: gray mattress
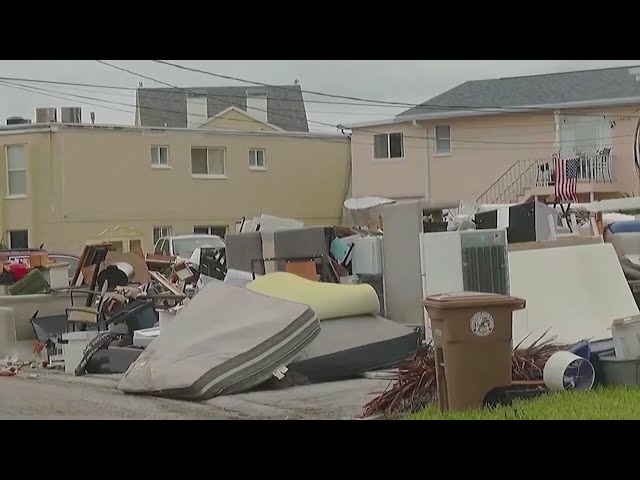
349, 346
225, 340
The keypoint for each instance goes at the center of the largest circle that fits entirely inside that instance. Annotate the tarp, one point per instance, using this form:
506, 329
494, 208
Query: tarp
328, 300
225, 340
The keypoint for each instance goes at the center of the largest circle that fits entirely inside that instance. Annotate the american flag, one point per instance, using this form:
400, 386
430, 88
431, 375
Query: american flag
566, 181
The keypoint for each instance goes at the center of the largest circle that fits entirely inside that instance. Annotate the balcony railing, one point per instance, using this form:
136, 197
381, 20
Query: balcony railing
526, 174
591, 169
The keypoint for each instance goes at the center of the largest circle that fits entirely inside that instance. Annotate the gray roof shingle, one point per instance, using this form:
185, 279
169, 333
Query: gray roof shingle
160, 106
555, 88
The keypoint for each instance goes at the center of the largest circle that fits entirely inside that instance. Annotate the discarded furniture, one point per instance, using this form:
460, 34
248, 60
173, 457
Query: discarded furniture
527, 222
328, 300
347, 347
259, 336
83, 318
573, 291
403, 223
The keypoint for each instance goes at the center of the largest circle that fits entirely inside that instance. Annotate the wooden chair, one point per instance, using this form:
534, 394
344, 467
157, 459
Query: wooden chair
79, 318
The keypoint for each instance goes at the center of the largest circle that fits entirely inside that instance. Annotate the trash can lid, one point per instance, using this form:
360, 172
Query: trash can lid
470, 299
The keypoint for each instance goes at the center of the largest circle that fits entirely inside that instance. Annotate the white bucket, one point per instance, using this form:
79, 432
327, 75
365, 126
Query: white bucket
626, 337
73, 350
566, 371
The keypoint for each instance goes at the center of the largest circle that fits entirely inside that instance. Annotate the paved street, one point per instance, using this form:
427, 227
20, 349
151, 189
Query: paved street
58, 396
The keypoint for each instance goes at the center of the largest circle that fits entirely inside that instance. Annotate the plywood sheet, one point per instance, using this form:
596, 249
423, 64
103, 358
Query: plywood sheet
576, 291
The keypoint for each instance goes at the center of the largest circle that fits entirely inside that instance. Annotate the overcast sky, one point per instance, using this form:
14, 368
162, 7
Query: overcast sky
410, 81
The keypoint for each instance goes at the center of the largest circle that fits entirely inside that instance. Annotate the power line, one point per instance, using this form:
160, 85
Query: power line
469, 140
149, 91
370, 103
355, 142
480, 142
461, 140
207, 96
397, 104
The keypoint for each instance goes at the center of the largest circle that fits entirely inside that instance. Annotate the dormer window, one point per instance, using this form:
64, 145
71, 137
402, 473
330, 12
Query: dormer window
257, 105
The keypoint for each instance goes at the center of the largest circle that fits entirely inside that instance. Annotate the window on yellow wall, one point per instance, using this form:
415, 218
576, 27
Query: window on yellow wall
208, 161
16, 170
159, 157
257, 159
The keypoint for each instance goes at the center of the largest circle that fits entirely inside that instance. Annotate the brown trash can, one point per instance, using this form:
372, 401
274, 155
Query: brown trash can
472, 335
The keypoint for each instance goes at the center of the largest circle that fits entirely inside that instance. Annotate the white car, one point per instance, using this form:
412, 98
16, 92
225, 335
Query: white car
183, 246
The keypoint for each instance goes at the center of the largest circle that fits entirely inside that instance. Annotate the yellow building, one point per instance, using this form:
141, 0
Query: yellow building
65, 184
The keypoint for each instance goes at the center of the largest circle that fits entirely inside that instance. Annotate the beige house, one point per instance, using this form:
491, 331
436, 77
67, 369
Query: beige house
68, 183
492, 141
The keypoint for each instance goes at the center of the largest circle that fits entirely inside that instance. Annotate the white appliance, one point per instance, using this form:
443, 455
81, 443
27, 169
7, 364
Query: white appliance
464, 261
366, 257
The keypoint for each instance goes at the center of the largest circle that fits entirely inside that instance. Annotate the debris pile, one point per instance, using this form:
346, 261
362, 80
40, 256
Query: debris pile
415, 385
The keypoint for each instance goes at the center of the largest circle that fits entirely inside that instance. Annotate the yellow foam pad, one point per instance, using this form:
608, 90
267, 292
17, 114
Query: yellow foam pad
328, 300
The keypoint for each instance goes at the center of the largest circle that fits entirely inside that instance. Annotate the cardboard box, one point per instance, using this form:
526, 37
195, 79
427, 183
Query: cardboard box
39, 259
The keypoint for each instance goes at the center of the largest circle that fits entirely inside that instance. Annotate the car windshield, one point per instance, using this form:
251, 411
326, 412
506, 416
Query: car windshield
184, 247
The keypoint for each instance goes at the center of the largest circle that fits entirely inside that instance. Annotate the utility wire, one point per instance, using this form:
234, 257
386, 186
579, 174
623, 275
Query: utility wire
354, 142
298, 118
461, 140
338, 126
398, 104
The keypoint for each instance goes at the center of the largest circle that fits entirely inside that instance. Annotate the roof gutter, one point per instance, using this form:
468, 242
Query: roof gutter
518, 109
27, 129
478, 112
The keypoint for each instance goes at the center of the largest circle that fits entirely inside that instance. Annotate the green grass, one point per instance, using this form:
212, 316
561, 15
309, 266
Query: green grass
620, 403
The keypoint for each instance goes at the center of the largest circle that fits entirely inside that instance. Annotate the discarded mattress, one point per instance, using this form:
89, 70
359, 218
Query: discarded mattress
575, 291
348, 347
328, 300
226, 340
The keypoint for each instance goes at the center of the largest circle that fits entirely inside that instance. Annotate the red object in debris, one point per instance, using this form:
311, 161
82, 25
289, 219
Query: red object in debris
18, 270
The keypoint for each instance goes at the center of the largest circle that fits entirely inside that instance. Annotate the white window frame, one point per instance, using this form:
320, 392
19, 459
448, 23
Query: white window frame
210, 229
18, 230
24, 169
164, 231
222, 176
255, 166
160, 166
388, 157
435, 142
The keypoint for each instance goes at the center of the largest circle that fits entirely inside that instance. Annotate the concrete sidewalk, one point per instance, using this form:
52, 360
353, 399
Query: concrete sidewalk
55, 395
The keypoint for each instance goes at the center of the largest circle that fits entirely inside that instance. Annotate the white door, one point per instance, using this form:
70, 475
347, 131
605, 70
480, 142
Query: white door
583, 135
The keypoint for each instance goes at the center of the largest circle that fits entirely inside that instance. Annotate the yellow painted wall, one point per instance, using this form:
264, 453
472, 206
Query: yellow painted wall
96, 178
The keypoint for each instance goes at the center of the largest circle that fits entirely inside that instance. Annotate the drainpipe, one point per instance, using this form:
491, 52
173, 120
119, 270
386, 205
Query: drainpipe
556, 117
427, 168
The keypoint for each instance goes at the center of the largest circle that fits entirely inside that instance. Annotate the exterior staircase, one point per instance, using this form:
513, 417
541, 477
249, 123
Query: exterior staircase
512, 184
534, 177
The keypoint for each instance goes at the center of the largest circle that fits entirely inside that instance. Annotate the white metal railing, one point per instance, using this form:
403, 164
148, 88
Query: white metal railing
526, 174
591, 169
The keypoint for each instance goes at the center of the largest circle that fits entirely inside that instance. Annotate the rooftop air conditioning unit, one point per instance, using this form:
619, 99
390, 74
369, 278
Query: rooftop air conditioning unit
17, 121
71, 114
46, 115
